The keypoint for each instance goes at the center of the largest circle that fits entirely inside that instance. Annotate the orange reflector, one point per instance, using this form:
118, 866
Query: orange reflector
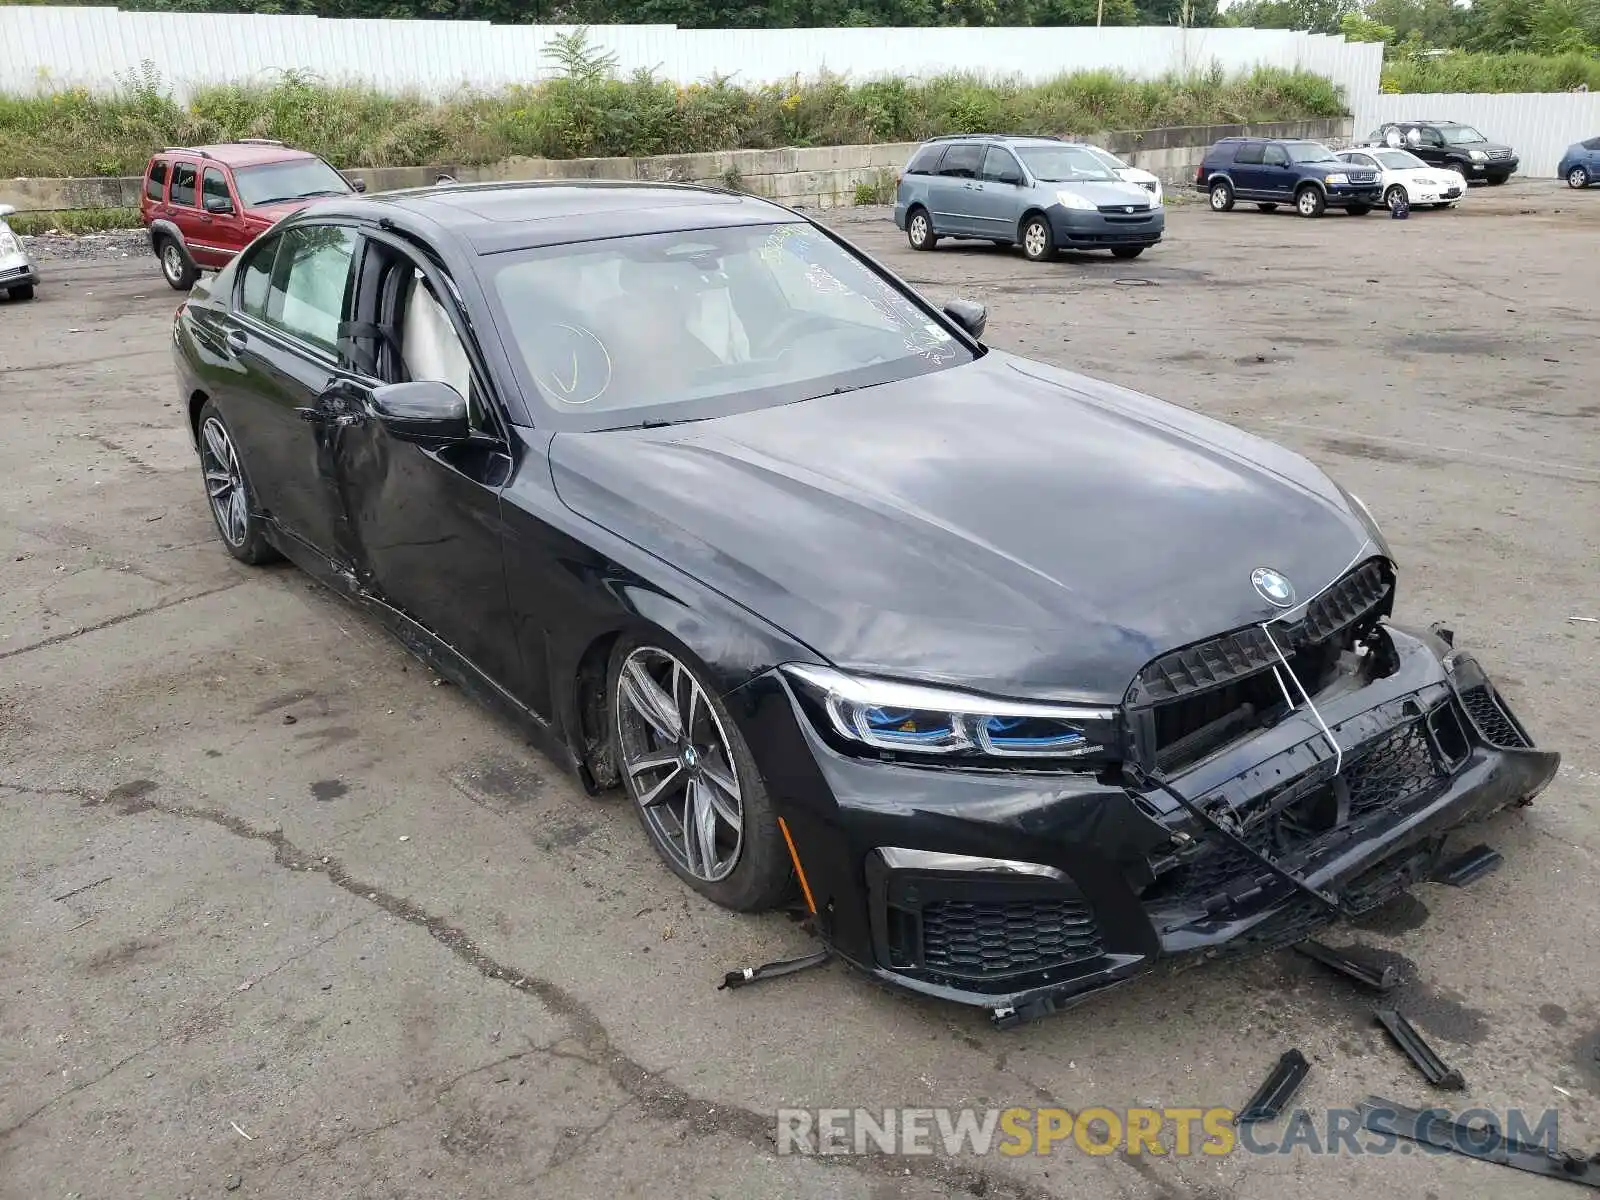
794, 857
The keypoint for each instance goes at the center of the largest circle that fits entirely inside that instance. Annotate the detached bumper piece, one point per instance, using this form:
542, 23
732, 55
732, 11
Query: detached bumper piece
1411, 1043
1484, 1141
1275, 1092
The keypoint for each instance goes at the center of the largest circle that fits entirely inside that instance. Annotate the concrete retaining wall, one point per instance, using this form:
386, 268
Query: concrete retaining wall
813, 177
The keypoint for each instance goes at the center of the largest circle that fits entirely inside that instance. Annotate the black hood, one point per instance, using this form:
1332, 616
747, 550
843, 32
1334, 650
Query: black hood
1001, 526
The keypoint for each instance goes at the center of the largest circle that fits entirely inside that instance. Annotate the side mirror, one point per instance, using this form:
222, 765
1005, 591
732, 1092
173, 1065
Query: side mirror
424, 412
7, 209
220, 205
360, 185
969, 314
1011, 177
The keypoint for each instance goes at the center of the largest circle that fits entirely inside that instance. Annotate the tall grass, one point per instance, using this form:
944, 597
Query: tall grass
588, 112
1493, 73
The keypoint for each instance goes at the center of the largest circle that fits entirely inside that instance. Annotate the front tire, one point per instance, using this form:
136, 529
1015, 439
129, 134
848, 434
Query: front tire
1038, 241
1310, 202
1222, 196
20, 291
919, 229
1127, 251
228, 493
176, 266
1577, 178
692, 780
1394, 197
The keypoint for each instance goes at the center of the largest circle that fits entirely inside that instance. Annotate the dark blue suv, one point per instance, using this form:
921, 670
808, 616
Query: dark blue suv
1271, 172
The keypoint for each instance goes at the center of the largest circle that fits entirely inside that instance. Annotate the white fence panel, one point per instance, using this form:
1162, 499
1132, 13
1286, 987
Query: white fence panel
100, 48
1538, 125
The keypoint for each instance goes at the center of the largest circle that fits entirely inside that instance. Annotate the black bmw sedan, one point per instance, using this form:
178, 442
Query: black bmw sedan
1021, 683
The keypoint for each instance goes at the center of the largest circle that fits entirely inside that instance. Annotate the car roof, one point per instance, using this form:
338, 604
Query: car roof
247, 153
1010, 139
495, 217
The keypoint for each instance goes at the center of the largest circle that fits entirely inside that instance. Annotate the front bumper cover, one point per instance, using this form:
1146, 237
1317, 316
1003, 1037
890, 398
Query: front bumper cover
1025, 893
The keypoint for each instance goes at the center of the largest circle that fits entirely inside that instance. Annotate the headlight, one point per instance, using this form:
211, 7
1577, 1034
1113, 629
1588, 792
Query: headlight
8, 242
1477, 156
1073, 200
1336, 177
1361, 510
910, 718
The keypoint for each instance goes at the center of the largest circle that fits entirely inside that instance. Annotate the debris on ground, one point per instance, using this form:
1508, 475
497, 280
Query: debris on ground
1276, 1090
1415, 1047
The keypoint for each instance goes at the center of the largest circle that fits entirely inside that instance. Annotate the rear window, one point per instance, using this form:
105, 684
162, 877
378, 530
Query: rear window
155, 187
925, 160
1248, 152
1592, 144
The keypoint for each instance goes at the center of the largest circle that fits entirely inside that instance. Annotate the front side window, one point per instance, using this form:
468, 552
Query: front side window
183, 183
679, 326
1460, 135
962, 161
296, 179
1274, 156
1310, 152
214, 193
310, 282
998, 163
155, 187
1064, 164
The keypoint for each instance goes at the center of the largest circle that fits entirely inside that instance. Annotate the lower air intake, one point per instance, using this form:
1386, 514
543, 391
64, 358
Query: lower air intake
979, 940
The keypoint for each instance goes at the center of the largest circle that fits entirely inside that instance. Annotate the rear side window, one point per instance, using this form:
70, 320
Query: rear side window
925, 161
962, 161
1248, 152
1592, 144
255, 275
155, 187
183, 183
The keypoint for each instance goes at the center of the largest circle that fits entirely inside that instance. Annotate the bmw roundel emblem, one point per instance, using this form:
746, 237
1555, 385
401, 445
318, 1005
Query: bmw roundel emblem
1273, 587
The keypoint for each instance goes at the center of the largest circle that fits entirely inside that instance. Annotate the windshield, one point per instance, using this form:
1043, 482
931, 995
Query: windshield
1108, 158
295, 179
1399, 160
1458, 135
1063, 164
1309, 152
679, 326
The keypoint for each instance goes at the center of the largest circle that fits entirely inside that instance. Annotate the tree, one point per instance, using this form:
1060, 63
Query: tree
1359, 28
1314, 16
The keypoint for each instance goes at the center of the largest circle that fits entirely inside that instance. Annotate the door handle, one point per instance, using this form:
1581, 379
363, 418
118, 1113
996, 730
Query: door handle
237, 339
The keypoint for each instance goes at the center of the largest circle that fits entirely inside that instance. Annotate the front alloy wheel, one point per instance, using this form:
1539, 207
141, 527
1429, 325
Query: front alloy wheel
1310, 202
693, 782
1038, 243
1577, 178
1395, 197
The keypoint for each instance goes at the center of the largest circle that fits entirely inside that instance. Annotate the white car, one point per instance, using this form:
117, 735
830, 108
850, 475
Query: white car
17, 275
1127, 174
1404, 175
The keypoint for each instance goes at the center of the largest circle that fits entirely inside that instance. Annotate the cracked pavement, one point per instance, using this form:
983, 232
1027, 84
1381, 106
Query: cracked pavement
284, 918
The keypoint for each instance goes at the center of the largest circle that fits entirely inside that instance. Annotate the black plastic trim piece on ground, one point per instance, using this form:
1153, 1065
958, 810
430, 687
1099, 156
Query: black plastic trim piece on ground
1277, 1090
771, 970
1485, 1141
1379, 979
1468, 866
1433, 1068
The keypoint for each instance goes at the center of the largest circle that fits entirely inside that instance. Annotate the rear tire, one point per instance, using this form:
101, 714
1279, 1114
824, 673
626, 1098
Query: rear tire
228, 493
919, 229
674, 757
21, 291
1578, 178
1267, 207
1310, 202
1127, 251
1222, 196
1038, 242
176, 265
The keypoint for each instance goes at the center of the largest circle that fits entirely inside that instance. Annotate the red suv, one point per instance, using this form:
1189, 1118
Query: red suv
204, 204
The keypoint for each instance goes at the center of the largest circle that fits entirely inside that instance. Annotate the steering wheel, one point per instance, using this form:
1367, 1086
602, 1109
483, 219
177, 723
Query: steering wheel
789, 327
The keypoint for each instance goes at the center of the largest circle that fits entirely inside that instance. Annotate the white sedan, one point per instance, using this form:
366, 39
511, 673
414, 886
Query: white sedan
1149, 182
1403, 175
17, 275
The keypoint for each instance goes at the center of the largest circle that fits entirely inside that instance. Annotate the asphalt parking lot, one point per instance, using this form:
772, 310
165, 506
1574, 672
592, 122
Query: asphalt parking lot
284, 918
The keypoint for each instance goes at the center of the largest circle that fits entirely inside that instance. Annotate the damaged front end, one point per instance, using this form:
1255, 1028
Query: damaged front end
1273, 779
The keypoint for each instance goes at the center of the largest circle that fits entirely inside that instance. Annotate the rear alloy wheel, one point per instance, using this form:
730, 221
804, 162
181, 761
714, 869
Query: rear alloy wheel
1222, 196
919, 230
1038, 243
1577, 178
1394, 197
694, 785
1127, 251
180, 272
242, 530
1267, 207
1309, 202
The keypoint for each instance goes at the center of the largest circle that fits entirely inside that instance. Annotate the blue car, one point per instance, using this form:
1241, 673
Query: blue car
1273, 171
1580, 165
